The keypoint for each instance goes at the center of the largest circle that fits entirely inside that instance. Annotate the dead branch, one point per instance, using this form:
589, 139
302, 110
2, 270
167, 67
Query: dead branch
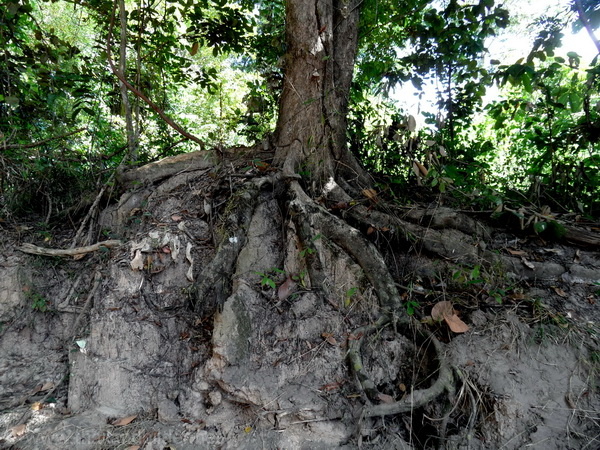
35, 250
91, 211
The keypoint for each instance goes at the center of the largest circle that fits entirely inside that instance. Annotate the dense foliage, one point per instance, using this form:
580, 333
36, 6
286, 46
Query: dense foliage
214, 69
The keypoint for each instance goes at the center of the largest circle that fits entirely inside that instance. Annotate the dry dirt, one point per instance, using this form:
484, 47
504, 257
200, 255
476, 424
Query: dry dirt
105, 351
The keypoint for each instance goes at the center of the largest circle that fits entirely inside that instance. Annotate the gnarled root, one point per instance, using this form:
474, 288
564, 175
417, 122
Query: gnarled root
376, 271
216, 277
417, 398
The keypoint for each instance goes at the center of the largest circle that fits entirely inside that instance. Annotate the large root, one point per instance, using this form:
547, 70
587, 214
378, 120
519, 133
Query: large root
376, 271
214, 284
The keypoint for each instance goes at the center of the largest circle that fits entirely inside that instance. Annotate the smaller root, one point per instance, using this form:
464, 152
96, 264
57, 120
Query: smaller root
417, 398
378, 274
216, 276
355, 360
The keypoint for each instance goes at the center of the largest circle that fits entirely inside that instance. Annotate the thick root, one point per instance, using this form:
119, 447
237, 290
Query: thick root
376, 271
214, 285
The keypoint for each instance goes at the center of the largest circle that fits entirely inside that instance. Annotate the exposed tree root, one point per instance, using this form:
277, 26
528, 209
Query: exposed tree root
376, 271
214, 283
420, 397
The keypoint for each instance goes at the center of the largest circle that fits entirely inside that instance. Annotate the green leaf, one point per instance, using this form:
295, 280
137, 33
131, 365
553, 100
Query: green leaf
526, 79
575, 102
11, 100
540, 227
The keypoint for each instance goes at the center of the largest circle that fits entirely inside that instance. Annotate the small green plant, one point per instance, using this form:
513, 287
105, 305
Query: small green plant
348, 296
44, 232
437, 179
301, 278
267, 278
38, 302
497, 294
309, 250
468, 275
411, 306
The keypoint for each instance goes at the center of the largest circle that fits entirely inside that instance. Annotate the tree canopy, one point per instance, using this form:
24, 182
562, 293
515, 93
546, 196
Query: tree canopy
89, 86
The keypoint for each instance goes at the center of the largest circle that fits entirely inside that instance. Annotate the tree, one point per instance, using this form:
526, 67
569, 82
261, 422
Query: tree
302, 221
313, 162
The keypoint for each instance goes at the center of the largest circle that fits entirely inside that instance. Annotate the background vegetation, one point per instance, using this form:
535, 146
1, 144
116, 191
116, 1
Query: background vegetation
213, 69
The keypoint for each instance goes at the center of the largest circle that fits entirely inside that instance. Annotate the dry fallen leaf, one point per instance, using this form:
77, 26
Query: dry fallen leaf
79, 256
124, 421
440, 309
176, 217
455, 324
18, 430
286, 289
385, 398
137, 263
371, 194
329, 338
527, 263
560, 292
516, 252
47, 386
445, 311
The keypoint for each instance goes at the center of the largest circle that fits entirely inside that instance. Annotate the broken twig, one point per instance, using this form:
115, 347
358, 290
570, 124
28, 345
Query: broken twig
35, 250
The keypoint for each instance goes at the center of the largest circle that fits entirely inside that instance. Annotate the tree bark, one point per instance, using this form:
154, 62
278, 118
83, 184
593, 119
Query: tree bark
131, 134
310, 136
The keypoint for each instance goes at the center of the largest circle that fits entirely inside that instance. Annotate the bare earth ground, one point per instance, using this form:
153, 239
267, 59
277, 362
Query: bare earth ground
103, 350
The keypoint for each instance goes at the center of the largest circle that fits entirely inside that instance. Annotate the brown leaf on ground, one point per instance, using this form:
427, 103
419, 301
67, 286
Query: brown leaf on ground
445, 311
440, 309
527, 263
137, 263
384, 398
455, 324
371, 194
124, 421
560, 292
286, 289
329, 338
516, 252
18, 430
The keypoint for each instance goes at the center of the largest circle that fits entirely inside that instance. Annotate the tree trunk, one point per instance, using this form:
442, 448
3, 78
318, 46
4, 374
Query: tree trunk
311, 128
131, 133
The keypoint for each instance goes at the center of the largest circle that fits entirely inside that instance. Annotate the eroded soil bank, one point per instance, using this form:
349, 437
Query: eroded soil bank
109, 349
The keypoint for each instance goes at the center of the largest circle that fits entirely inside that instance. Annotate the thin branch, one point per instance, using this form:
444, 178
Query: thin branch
40, 143
139, 94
